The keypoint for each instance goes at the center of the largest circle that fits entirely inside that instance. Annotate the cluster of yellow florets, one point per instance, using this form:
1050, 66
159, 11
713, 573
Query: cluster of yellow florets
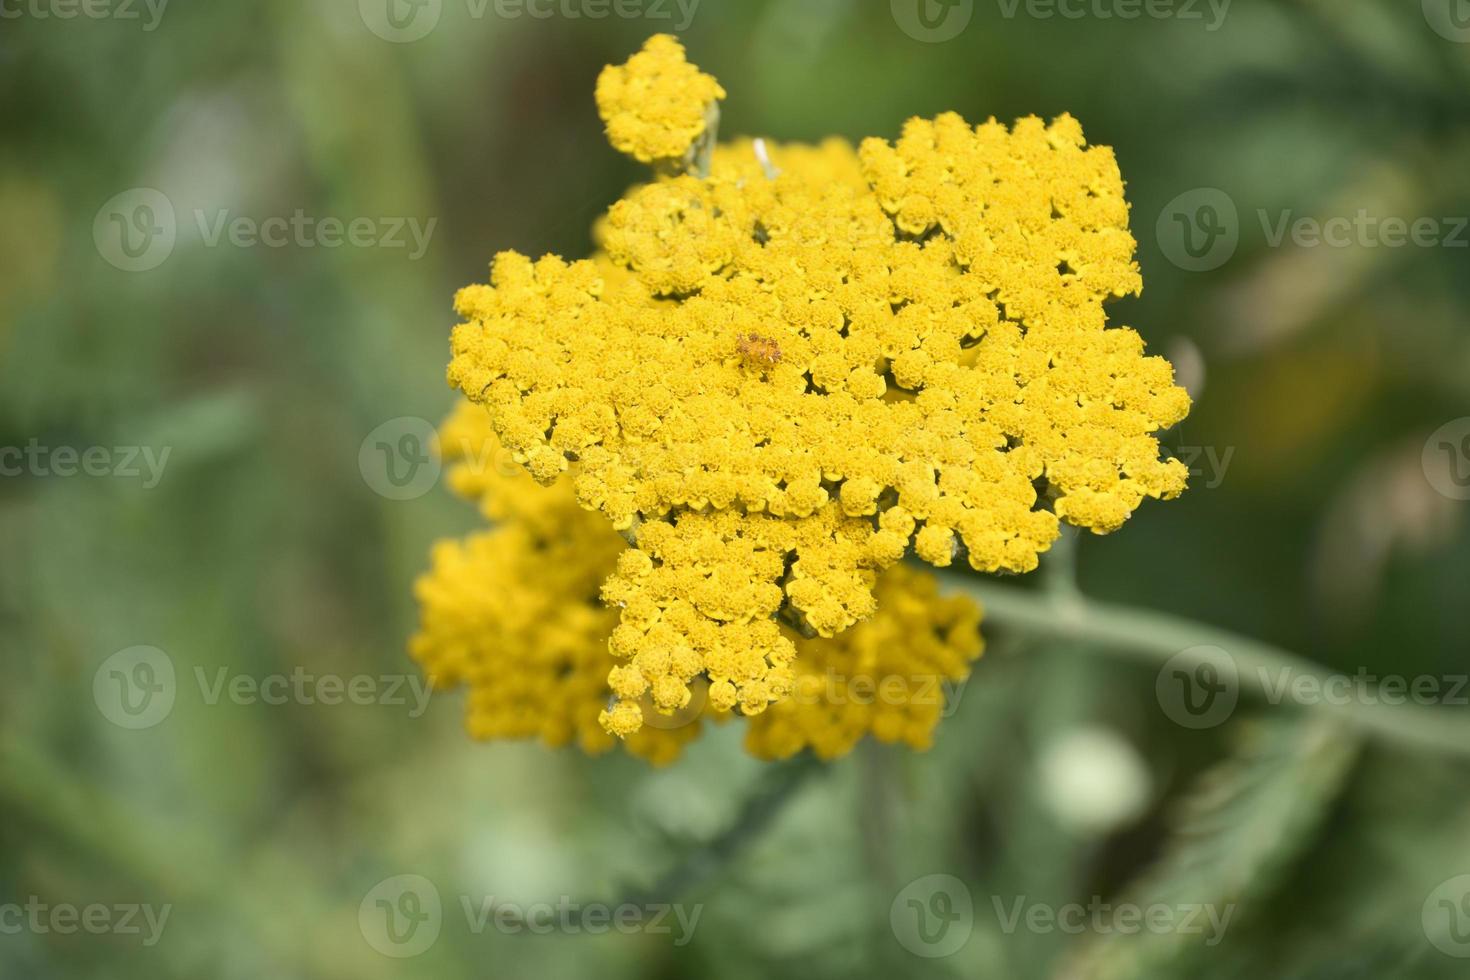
781, 375
888, 676
513, 615
657, 106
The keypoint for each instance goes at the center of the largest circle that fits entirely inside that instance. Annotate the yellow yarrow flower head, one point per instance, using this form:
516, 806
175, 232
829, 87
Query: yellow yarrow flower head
510, 614
781, 376
658, 107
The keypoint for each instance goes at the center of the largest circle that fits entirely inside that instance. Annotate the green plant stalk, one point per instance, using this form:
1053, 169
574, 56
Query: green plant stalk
780, 785
1155, 638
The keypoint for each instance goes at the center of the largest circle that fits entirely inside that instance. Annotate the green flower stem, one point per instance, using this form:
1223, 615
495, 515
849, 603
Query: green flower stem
1059, 566
1156, 638
778, 787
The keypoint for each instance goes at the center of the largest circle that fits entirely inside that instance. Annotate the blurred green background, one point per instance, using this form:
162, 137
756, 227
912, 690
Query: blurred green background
1322, 517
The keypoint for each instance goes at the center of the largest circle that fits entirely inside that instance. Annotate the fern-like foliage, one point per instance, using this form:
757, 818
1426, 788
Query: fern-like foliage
1235, 833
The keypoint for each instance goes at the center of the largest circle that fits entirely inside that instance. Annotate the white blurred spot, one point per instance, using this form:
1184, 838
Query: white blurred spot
1093, 780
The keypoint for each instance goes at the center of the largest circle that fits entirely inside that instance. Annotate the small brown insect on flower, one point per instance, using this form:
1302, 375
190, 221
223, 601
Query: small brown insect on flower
758, 351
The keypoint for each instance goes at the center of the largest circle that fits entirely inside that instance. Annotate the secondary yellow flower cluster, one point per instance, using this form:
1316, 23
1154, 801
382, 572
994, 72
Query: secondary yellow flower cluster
886, 676
657, 105
781, 375
513, 614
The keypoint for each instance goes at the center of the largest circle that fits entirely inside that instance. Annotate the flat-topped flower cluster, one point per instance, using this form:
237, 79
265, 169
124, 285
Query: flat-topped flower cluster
787, 367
